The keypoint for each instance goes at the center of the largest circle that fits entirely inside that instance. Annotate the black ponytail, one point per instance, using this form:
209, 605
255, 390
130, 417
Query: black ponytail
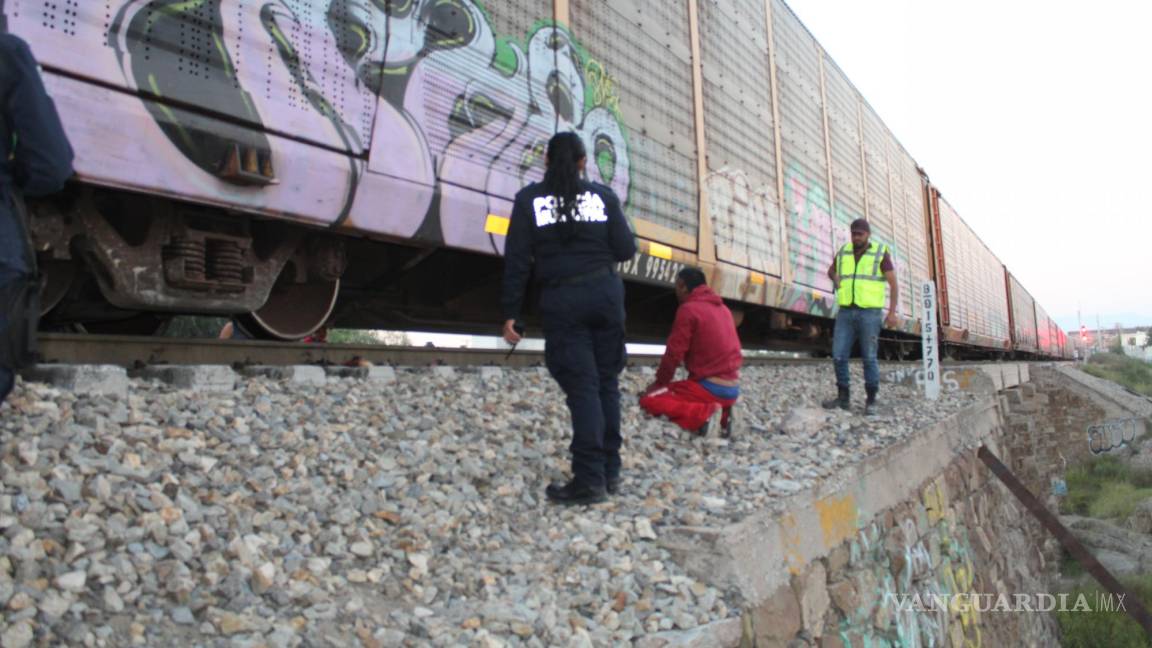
562, 178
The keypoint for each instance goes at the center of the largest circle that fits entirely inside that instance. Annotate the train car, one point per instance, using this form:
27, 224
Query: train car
1046, 333
973, 298
301, 162
1022, 316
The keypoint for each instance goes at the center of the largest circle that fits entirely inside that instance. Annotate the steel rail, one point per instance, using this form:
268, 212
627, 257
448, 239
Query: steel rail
129, 351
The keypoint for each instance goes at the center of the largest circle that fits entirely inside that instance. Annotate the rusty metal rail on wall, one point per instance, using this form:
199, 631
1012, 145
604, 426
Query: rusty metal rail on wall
128, 351
1136, 608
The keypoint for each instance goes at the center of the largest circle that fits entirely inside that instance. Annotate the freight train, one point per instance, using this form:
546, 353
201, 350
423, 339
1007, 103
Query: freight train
353, 162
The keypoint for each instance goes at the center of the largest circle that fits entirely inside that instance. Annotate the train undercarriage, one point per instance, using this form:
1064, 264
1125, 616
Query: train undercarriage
119, 262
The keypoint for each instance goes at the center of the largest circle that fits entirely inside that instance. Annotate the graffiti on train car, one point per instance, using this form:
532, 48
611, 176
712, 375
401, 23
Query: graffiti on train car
802, 300
815, 232
746, 219
810, 227
157, 43
461, 112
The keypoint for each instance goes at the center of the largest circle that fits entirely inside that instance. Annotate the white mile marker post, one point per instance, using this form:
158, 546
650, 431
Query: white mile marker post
931, 344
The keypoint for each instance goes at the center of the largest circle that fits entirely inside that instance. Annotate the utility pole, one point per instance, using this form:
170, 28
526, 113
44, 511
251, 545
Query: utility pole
1083, 346
1098, 333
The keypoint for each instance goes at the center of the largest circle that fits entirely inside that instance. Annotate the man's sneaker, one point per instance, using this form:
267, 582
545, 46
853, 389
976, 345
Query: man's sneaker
842, 400
713, 421
612, 485
575, 493
726, 426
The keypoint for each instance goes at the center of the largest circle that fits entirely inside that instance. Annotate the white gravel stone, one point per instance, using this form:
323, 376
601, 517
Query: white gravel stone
182, 615
18, 635
787, 485
72, 581
644, 529
335, 514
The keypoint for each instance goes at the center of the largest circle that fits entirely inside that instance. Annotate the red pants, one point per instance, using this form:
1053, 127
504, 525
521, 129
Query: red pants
686, 404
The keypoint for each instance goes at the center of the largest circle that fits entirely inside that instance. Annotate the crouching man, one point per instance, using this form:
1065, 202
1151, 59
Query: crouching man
704, 338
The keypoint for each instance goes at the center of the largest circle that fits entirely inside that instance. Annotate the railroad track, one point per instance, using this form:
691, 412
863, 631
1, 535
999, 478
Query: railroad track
130, 351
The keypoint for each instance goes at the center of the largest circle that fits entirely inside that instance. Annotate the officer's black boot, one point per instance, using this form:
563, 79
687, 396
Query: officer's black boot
841, 400
576, 492
870, 404
612, 473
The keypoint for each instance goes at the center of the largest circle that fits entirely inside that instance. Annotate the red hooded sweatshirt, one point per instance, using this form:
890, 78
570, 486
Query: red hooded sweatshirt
704, 337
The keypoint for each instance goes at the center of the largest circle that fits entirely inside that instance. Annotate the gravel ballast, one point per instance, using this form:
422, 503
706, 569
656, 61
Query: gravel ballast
409, 513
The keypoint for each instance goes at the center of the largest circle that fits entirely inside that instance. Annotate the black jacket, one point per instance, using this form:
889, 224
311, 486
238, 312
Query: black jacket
35, 156
600, 237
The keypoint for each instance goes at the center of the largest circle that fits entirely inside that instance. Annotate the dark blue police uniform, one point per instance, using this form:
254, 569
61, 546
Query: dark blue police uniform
35, 159
581, 308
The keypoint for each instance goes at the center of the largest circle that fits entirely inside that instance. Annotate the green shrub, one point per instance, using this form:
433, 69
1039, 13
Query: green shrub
1087, 482
352, 336
1117, 500
1096, 629
1129, 372
1142, 477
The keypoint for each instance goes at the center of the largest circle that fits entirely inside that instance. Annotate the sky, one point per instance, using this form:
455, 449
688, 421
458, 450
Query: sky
1035, 121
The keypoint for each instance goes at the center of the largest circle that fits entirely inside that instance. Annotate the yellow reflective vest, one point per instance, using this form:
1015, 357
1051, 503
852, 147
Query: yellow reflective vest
861, 282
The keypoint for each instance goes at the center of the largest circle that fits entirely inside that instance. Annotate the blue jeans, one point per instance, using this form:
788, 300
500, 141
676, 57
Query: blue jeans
854, 324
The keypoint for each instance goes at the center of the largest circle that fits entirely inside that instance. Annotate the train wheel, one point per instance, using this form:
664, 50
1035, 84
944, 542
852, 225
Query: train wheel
58, 278
293, 311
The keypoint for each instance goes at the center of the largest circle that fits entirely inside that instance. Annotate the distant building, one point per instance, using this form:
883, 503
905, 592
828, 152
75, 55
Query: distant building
1133, 340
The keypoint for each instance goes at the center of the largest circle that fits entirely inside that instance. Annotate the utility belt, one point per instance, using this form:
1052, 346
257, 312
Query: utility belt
580, 278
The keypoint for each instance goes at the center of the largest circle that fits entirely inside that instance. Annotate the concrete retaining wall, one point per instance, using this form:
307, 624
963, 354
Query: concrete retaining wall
829, 566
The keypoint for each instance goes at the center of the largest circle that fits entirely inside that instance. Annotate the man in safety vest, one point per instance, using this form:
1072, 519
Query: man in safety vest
859, 272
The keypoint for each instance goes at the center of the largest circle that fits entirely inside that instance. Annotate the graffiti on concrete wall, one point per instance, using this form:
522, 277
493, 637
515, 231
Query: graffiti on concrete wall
1112, 435
430, 95
950, 380
927, 556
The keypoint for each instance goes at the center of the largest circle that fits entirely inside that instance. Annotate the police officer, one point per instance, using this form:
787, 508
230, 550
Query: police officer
859, 273
35, 160
574, 232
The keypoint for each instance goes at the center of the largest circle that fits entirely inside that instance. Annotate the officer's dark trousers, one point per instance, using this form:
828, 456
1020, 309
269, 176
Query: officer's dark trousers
13, 266
584, 351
